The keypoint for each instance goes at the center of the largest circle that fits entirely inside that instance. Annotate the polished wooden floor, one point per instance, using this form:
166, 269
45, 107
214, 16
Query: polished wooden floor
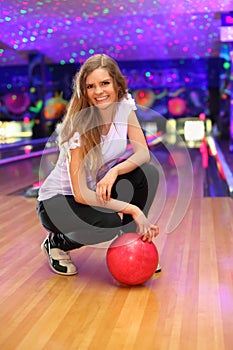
188, 306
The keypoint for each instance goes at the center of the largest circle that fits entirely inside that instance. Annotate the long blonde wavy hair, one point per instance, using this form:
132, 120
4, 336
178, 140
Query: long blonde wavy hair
85, 118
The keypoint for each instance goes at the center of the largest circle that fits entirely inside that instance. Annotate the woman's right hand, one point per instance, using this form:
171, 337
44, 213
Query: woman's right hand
144, 226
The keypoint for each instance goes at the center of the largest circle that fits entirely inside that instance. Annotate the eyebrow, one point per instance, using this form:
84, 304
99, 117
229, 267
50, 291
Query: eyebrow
102, 81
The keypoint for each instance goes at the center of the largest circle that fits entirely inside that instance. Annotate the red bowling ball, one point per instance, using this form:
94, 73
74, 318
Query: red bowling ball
130, 260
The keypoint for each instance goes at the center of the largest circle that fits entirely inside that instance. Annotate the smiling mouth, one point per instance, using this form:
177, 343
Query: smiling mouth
101, 99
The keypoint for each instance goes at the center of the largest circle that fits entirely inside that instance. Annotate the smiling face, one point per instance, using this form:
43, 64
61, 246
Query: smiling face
100, 88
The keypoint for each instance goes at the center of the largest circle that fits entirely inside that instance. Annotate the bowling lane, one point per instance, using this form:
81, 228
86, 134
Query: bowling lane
25, 149
20, 175
211, 181
16, 177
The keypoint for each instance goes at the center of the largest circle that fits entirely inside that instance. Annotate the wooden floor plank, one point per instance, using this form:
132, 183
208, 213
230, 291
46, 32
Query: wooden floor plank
189, 306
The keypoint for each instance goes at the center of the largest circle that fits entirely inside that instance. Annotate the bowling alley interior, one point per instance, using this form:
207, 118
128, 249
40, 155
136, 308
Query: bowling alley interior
177, 59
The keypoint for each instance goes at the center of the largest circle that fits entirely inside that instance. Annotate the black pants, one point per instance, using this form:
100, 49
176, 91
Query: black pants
73, 224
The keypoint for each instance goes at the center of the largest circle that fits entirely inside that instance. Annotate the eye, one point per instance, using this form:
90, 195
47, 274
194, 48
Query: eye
89, 86
105, 82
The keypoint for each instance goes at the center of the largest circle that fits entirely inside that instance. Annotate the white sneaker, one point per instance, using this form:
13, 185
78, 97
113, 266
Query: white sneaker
59, 261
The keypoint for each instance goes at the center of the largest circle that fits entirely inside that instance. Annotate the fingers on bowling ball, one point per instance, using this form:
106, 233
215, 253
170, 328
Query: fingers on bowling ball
130, 260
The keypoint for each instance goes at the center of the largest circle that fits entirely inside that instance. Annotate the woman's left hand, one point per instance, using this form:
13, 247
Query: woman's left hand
151, 232
144, 226
104, 186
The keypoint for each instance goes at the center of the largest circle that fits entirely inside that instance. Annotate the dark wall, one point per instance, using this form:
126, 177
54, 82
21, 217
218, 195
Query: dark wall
169, 86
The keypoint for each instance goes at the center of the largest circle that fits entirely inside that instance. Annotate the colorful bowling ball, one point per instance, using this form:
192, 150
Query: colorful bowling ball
177, 106
17, 103
130, 260
144, 97
55, 107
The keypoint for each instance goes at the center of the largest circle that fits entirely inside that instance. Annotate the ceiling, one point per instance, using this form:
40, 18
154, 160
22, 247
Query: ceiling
69, 31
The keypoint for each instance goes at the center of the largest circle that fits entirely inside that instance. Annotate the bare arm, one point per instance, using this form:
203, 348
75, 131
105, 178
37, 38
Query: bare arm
140, 149
82, 194
140, 155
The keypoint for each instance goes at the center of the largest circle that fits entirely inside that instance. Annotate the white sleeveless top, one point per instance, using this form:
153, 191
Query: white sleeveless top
113, 146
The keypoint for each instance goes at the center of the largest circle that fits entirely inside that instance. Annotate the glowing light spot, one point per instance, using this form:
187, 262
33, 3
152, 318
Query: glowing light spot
26, 120
141, 94
23, 12
226, 65
62, 62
